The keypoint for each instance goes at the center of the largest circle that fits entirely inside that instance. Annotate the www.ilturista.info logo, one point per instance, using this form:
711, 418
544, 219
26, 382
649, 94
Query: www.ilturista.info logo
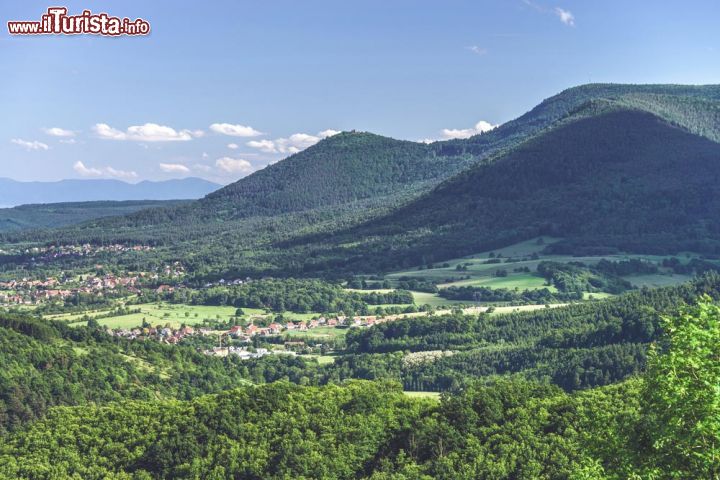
57, 22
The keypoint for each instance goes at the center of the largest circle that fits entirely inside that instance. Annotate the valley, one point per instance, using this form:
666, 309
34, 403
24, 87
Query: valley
384, 309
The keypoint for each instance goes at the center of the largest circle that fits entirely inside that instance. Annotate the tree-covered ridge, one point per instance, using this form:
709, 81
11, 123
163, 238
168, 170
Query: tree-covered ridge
25, 217
294, 295
340, 182
663, 425
377, 189
652, 98
273, 431
51, 364
345, 168
622, 180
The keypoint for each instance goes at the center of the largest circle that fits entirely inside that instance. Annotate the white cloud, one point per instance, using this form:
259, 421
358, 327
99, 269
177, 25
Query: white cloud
30, 145
205, 155
480, 127
565, 16
174, 168
103, 130
85, 171
233, 146
293, 144
81, 169
59, 132
233, 165
68, 141
234, 130
266, 146
477, 50
328, 133
149, 132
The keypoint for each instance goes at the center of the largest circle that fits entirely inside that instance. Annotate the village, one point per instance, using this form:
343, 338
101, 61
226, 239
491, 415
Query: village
27, 291
245, 335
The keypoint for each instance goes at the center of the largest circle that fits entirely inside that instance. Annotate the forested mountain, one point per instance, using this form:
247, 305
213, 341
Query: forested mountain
611, 178
692, 106
344, 168
608, 167
14, 193
357, 168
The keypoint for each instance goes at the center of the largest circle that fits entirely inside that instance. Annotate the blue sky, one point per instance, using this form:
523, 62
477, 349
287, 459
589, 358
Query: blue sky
220, 89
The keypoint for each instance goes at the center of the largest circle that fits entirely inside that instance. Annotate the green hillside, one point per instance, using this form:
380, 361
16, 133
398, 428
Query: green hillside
661, 424
693, 106
619, 179
344, 168
604, 166
356, 166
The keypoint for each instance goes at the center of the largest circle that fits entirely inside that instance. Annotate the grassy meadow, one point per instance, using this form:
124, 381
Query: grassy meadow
477, 272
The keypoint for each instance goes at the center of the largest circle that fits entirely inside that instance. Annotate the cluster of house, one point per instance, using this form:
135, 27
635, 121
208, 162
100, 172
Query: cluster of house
162, 334
174, 270
30, 292
224, 283
249, 331
244, 353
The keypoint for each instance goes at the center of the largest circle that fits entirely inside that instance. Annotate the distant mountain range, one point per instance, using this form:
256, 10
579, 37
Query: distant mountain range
14, 193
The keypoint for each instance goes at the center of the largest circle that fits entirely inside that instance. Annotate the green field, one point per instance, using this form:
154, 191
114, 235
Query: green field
524, 308
430, 395
319, 332
596, 295
175, 315
322, 359
424, 298
522, 281
657, 280
480, 273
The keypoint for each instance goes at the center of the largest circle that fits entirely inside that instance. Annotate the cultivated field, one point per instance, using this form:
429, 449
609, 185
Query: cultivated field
477, 272
175, 315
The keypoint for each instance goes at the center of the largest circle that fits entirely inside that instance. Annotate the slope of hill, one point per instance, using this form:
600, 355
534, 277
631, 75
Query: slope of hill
354, 166
52, 215
341, 181
618, 179
20, 193
379, 191
693, 106
357, 166
346, 167
350, 167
